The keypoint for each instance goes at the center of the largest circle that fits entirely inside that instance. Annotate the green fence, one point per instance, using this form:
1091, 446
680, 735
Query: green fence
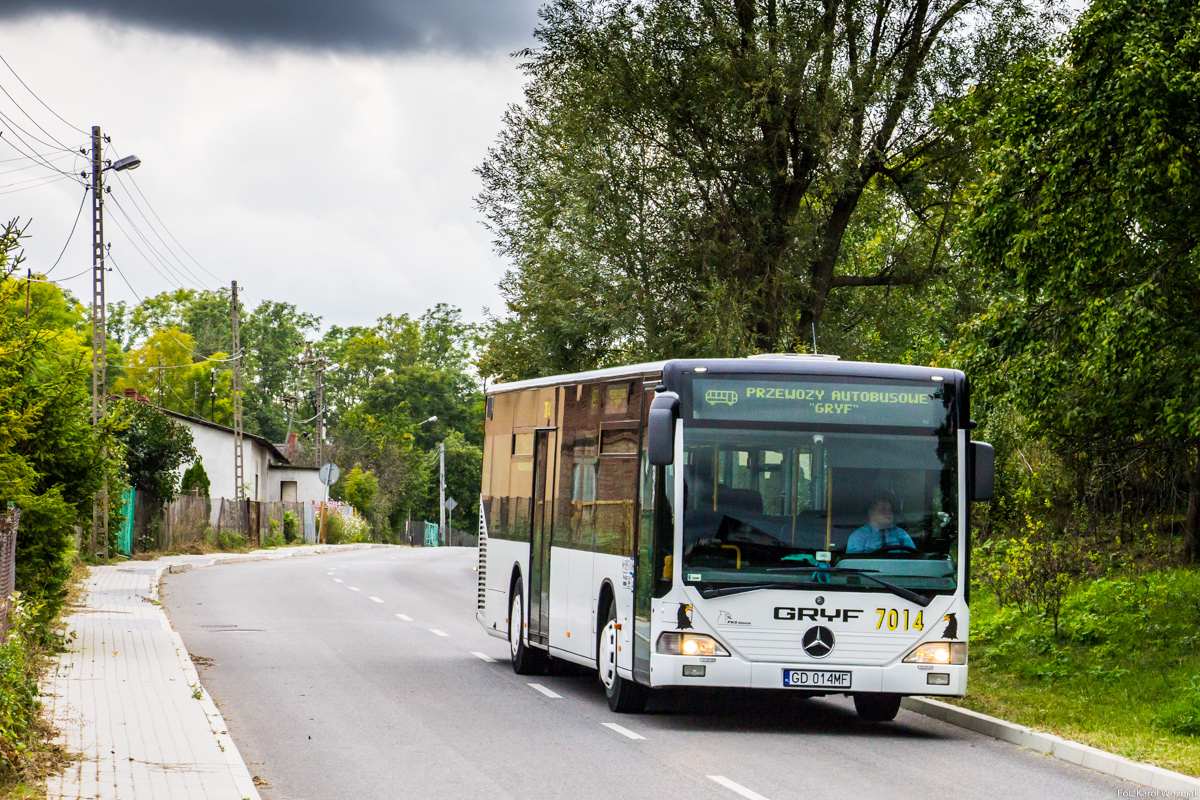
431, 534
125, 537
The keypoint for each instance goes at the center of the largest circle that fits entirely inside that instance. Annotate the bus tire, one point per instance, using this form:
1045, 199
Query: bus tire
525, 660
881, 707
624, 696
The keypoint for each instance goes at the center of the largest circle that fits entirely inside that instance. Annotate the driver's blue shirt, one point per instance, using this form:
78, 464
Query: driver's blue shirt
868, 538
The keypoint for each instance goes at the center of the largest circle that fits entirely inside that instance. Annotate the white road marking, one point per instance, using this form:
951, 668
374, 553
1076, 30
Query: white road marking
623, 731
545, 691
484, 657
376, 599
439, 633
338, 580
405, 618
736, 787
354, 588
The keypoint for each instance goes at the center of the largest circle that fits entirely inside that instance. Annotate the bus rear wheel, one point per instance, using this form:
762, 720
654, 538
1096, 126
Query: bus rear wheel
881, 707
525, 660
624, 696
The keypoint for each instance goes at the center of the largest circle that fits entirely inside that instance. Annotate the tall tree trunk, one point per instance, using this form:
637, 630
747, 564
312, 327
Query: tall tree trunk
1191, 523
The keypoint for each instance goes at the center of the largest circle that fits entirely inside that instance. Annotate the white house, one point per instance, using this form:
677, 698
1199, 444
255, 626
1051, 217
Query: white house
214, 445
293, 484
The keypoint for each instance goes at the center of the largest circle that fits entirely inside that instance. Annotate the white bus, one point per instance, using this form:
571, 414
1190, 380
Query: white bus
775, 522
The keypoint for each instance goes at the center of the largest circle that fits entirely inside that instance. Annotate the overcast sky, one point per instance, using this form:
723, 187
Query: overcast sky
319, 153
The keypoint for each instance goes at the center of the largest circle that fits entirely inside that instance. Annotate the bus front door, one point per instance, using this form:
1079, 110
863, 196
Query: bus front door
541, 526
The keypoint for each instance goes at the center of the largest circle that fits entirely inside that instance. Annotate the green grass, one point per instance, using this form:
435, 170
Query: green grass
1122, 674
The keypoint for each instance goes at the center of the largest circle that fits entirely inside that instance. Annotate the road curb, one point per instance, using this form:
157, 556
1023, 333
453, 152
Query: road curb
1090, 757
233, 757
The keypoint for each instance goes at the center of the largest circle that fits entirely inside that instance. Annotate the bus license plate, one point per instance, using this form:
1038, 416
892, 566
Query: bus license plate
807, 678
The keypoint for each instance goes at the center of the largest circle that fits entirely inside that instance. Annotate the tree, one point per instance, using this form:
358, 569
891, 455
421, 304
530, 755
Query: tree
1087, 233
272, 339
155, 448
360, 489
684, 174
51, 458
195, 479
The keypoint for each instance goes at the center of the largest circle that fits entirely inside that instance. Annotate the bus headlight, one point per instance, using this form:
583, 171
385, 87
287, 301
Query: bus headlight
689, 644
938, 653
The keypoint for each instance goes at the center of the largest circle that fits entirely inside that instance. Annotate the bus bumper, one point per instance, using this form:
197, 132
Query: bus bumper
726, 671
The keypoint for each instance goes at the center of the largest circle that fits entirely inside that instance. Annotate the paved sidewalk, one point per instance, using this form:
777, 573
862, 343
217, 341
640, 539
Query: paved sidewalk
127, 699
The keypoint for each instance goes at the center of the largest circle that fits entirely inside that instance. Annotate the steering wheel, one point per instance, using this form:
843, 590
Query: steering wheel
894, 548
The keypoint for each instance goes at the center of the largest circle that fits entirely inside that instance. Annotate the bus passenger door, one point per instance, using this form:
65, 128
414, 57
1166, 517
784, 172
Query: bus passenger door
541, 526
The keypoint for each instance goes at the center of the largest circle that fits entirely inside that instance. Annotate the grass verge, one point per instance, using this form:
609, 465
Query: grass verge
1121, 674
28, 754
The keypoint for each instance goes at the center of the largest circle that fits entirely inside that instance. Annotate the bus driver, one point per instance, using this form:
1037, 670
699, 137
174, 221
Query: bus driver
880, 532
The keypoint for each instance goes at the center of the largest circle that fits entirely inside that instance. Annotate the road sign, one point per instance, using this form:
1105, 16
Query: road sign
329, 473
451, 504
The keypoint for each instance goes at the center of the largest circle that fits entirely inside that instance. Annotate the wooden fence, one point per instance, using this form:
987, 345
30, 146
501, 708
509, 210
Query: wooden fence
8, 567
190, 522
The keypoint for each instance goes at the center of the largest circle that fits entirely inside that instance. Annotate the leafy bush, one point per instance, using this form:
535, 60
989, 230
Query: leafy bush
45, 551
19, 706
1183, 715
274, 541
228, 540
345, 529
291, 527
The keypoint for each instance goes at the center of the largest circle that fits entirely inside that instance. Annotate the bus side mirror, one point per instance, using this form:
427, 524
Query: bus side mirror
660, 429
983, 469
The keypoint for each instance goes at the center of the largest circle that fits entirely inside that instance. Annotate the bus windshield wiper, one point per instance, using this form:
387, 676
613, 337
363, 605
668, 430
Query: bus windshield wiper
899, 591
708, 594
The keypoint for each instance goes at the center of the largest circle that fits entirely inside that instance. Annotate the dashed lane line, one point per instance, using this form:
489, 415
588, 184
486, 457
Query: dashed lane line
483, 657
405, 617
354, 588
612, 726
439, 633
736, 787
338, 580
376, 599
545, 691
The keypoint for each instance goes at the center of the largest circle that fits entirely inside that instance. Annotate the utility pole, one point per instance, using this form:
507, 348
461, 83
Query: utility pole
442, 491
319, 379
239, 476
212, 395
99, 367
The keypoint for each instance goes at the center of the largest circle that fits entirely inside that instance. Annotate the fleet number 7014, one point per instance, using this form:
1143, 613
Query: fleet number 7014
899, 620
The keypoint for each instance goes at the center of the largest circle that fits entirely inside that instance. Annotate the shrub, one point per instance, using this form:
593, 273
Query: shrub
345, 529
228, 540
274, 541
195, 478
291, 527
1183, 714
19, 705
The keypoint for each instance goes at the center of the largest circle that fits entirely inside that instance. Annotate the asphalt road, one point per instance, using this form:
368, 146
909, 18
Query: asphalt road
364, 675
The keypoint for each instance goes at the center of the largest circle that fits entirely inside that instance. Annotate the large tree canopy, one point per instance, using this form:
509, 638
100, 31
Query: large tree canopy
684, 174
1088, 230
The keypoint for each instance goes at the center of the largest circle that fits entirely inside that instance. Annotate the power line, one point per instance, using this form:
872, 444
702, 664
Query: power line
150, 206
31, 119
174, 280
70, 235
35, 97
166, 247
47, 181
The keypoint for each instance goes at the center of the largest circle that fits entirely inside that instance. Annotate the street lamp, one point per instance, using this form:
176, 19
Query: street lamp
122, 164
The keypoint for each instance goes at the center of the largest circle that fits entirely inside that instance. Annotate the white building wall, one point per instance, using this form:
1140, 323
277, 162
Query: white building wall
308, 485
215, 449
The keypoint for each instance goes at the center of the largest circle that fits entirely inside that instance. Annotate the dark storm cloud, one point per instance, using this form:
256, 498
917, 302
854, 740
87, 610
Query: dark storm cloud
370, 25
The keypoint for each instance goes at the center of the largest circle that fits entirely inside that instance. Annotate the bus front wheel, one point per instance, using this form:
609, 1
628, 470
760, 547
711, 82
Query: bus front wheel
624, 696
525, 660
881, 707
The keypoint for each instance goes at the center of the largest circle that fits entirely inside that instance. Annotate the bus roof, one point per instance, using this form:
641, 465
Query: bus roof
769, 362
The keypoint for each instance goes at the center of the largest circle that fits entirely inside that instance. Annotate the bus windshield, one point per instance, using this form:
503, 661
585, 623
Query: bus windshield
835, 505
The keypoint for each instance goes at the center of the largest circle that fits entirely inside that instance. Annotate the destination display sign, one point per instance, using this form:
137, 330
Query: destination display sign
893, 403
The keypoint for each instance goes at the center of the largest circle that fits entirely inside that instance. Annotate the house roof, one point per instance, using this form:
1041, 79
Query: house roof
225, 428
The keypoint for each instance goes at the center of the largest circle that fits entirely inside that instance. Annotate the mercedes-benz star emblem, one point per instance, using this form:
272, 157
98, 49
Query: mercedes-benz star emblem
818, 641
